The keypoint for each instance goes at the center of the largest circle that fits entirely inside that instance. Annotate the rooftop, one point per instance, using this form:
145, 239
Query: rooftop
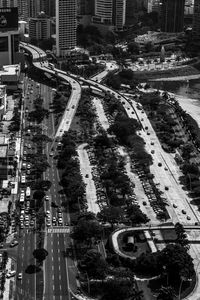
10, 70
3, 151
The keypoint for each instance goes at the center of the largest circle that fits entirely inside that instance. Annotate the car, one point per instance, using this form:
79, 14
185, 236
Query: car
59, 209
28, 166
32, 223
144, 203
47, 198
11, 274
19, 276
152, 143
59, 214
48, 223
54, 219
73, 106
188, 218
47, 212
29, 146
51, 153
183, 212
14, 243
87, 176
174, 205
26, 223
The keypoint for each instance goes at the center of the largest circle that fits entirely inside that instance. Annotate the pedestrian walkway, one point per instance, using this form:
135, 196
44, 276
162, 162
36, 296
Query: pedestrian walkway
59, 230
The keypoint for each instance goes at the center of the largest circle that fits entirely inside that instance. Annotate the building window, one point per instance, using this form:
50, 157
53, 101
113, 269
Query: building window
3, 44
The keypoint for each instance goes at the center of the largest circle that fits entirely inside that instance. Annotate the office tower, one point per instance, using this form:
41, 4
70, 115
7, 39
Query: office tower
104, 11
110, 13
196, 20
119, 14
23, 10
50, 8
9, 35
66, 23
172, 15
8, 3
40, 27
85, 7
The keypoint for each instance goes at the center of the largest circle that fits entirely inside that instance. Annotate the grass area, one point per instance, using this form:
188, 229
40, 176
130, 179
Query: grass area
139, 241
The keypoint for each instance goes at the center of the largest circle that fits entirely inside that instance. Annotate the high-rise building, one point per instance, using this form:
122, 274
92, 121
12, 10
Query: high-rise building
8, 3
104, 11
66, 23
40, 27
172, 15
23, 10
196, 20
110, 13
50, 8
119, 14
9, 35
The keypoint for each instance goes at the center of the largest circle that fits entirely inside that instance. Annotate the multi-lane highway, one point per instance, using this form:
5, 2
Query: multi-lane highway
165, 173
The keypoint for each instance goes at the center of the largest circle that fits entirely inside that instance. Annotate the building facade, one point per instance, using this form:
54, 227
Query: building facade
196, 20
66, 24
40, 27
110, 13
172, 15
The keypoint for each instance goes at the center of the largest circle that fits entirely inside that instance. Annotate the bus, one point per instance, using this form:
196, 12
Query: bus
28, 192
22, 198
23, 180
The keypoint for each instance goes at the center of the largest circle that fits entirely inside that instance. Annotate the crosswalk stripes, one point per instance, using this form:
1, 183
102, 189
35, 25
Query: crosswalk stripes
58, 230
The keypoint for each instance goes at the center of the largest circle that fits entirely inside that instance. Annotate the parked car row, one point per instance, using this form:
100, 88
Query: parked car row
158, 206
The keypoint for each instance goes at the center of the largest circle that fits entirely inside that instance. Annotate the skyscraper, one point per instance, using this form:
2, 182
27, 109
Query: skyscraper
196, 20
110, 13
66, 23
172, 15
8, 3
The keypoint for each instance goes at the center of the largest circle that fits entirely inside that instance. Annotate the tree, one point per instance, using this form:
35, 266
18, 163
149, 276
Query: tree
87, 230
38, 194
94, 264
177, 261
166, 293
181, 236
136, 215
40, 254
149, 46
42, 185
111, 214
121, 288
133, 48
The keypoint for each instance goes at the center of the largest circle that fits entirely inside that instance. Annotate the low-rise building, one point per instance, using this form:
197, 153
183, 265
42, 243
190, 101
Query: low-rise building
9, 76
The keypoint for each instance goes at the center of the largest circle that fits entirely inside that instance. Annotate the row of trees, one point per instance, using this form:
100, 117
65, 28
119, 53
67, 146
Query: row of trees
39, 113
71, 179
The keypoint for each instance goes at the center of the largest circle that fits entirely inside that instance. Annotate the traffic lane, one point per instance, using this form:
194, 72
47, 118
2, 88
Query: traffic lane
59, 270
26, 287
49, 270
71, 268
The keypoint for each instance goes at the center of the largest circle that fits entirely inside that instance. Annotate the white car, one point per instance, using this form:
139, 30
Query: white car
10, 274
19, 276
47, 198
